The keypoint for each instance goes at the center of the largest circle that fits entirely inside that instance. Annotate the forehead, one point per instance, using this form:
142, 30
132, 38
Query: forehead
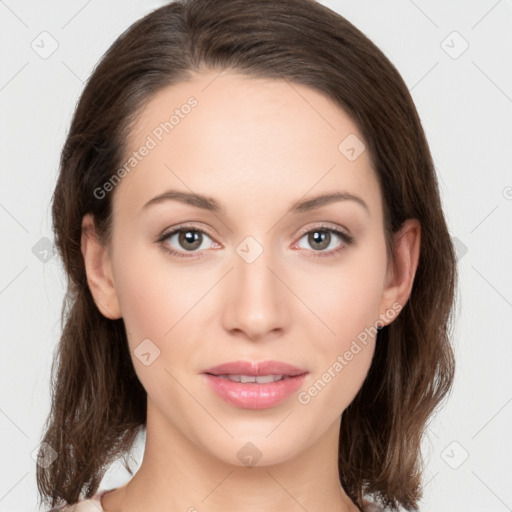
225, 100
224, 132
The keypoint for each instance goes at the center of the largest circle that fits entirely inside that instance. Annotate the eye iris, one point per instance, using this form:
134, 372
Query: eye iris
190, 237
315, 237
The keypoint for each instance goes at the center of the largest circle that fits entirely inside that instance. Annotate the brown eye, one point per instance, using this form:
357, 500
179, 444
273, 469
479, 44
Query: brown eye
319, 239
190, 239
325, 241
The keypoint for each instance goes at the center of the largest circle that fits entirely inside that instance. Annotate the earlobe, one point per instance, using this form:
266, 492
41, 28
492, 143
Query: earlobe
99, 270
402, 269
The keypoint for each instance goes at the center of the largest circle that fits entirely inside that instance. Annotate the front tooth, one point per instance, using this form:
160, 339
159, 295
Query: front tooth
266, 379
248, 378
251, 379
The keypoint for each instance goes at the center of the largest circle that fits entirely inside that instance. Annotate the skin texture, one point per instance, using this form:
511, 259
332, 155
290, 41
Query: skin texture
256, 146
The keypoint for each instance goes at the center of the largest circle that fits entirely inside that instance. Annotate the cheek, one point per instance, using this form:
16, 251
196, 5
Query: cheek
158, 304
154, 293
347, 297
347, 301
344, 352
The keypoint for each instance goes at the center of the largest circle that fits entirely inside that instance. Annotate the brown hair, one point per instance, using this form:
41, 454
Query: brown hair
98, 404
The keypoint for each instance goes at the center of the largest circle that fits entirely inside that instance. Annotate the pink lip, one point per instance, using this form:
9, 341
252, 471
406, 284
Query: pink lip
253, 395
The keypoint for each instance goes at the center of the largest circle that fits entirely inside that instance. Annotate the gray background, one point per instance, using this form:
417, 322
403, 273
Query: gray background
464, 97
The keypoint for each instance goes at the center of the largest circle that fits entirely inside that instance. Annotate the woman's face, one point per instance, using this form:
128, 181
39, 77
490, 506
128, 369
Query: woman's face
258, 277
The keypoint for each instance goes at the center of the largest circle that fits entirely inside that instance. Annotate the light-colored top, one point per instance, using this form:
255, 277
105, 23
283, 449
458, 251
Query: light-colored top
94, 505
91, 505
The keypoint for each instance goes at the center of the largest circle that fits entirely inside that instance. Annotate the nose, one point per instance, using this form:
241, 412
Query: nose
255, 297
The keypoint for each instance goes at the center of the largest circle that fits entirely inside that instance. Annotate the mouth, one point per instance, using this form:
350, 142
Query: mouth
253, 379
255, 385
250, 369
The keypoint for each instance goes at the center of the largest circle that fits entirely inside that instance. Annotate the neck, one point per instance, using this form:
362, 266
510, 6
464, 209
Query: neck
177, 474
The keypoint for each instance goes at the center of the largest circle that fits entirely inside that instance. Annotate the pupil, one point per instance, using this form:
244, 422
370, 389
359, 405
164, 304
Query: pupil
190, 237
316, 238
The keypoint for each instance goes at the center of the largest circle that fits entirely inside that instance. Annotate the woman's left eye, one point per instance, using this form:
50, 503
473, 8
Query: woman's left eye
322, 238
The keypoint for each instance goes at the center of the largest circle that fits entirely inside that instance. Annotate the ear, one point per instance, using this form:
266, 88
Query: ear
401, 270
99, 270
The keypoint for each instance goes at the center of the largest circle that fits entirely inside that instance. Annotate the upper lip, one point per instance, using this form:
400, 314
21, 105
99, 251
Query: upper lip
255, 369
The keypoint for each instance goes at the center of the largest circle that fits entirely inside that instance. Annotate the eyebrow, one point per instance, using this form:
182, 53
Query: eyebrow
210, 204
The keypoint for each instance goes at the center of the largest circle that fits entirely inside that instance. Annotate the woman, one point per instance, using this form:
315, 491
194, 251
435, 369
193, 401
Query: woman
290, 358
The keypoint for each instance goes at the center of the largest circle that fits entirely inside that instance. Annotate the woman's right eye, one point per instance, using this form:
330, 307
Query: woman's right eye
189, 240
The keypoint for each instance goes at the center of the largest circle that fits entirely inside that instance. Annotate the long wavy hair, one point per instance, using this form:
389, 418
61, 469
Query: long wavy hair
98, 405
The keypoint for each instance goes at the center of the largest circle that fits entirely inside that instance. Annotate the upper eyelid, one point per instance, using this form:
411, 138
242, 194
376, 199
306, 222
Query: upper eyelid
191, 227
325, 226
173, 231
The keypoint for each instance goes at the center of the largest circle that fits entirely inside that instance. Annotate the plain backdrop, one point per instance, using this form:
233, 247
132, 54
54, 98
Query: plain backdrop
455, 58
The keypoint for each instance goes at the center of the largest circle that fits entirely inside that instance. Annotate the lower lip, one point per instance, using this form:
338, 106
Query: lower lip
252, 395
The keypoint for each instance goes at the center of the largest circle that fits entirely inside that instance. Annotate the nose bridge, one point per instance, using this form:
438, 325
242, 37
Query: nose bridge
252, 266
256, 302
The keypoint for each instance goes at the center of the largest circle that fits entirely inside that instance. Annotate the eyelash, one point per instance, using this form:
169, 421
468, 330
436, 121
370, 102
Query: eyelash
347, 240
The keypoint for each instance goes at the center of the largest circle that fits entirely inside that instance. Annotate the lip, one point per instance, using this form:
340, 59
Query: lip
253, 395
